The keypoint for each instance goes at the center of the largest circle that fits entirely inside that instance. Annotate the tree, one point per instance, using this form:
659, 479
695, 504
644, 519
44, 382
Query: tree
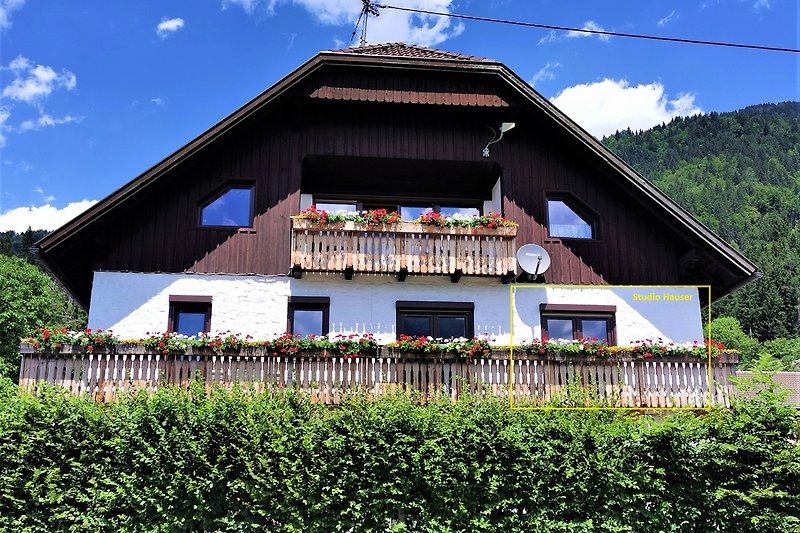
728, 331
29, 298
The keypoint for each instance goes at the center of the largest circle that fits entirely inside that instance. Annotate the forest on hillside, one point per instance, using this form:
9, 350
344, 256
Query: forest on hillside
739, 173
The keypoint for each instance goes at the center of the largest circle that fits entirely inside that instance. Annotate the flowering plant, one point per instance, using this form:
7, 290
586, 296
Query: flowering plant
468, 348
167, 342
647, 348
588, 346
347, 346
373, 217
489, 220
317, 216
90, 340
376, 217
221, 341
641, 349
50, 338
55, 338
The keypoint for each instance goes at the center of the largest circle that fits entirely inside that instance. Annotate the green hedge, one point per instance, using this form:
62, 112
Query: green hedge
178, 461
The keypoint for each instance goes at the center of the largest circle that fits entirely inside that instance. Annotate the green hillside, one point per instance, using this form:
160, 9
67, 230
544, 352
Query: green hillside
739, 173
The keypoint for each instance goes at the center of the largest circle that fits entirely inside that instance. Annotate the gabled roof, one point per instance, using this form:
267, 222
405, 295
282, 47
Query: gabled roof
401, 57
407, 50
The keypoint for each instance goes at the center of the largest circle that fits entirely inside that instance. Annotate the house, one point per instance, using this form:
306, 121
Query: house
205, 239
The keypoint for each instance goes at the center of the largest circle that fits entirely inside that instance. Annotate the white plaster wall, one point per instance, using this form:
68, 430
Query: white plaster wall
132, 304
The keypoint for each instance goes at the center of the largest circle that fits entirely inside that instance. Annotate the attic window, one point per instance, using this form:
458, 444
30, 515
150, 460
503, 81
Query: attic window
233, 208
564, 220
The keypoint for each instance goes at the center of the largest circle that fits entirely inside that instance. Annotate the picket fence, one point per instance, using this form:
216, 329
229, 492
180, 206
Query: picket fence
622, 381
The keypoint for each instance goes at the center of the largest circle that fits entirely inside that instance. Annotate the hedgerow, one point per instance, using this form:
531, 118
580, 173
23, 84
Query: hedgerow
243, 461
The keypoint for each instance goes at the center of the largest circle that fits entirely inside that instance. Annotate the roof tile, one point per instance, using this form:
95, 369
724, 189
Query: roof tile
407, 50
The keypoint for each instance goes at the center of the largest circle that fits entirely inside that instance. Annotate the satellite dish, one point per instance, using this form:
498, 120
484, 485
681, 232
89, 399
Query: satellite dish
533, 259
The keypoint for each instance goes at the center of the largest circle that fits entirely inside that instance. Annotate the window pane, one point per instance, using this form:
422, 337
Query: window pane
307, 322
564, 222
452, 327
331, 207
232, 208
412, 213
594, 329
559, 328
190, 322
417, 325
465, 212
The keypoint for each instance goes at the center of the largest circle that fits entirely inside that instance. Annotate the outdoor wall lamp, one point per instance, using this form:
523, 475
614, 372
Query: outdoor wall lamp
504, 127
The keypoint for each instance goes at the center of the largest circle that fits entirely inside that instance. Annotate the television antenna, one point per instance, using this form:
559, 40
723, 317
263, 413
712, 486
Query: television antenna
369, 8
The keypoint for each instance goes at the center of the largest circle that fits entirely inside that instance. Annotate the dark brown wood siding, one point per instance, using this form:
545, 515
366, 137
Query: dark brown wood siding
158, 231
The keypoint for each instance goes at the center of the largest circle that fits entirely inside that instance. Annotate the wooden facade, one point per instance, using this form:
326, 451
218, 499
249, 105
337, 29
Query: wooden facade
373, 112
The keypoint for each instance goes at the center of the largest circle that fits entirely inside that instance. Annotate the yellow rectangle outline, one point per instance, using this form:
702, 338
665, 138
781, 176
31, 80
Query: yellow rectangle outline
512, 289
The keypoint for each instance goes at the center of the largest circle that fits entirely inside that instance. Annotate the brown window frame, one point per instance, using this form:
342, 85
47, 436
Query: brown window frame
216, 194
309, 303
435, 309
577, 313
580, 208
178, 303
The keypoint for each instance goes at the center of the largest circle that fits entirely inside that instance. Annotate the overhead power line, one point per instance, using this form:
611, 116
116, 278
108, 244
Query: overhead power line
594, 32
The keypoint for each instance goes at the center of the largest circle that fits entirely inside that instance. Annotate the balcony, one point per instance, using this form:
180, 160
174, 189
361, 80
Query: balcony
619, 381
402, 249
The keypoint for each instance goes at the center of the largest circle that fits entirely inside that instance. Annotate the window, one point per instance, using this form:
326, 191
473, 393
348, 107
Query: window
564, 220
232, 208
435, 319
560, 321
408, 209
189, 315
336, 207
308, 315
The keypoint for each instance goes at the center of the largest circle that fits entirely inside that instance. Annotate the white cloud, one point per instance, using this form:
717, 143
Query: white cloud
44, 217
391, 26
608, 106
34, 83
46, 198
762, 4
588, 25
4, 114
6, 8
545, 73
157, 101
669, 18
46, 120
554, 36
168, 26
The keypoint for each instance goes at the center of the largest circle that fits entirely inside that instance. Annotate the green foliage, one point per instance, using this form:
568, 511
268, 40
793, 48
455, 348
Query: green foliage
28, 298
241, 461
739, 173
767, 363
787, 351
728, 331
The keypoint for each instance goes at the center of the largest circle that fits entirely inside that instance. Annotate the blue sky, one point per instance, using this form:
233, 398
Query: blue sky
92, 93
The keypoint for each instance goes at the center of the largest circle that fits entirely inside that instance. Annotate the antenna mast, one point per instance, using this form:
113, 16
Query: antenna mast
368, 9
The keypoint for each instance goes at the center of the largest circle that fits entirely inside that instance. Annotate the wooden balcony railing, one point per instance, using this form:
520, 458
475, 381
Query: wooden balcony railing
619, 382
401, 249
